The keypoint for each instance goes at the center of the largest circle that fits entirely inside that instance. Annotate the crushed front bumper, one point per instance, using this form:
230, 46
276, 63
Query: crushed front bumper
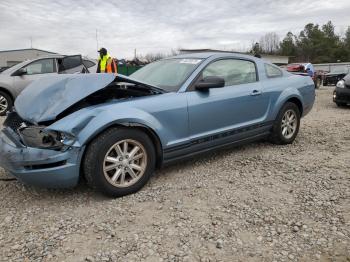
39, 167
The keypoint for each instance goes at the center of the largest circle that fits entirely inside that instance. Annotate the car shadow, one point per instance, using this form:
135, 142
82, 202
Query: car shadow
208, 157
82, 191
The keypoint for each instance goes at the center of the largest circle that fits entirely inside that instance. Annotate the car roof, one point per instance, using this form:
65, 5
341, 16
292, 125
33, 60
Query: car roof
28, 61
205, 55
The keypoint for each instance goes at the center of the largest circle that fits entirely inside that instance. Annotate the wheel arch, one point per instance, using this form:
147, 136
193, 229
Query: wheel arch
146, 129
289, 95
296, 101
2, 89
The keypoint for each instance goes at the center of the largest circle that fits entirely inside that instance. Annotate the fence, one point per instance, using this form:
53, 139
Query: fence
331, 66
127, 69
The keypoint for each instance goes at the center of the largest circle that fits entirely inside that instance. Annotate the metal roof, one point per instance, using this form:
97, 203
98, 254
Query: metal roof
25, 49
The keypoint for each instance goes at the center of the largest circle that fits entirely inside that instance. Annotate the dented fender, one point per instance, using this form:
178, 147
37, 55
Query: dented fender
86, 124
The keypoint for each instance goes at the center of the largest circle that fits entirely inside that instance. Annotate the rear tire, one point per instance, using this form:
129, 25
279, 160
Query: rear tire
130, 155
5, 103
286, 126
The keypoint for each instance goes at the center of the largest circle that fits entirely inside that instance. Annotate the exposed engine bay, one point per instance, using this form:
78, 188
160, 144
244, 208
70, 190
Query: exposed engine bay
35, 135
114, 91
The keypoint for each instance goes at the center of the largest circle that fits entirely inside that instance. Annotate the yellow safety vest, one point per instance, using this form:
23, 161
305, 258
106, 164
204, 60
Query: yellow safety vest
103, 63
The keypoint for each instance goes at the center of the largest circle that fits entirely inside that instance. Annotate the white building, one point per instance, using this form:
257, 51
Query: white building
12, 57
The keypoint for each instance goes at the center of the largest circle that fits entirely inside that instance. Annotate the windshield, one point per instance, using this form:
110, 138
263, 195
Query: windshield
168, 74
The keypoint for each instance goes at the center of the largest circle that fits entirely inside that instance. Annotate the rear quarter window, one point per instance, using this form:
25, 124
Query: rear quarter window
88, 63
272, 71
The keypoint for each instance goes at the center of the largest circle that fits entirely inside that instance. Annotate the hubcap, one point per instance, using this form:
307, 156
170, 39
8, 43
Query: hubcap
3, 104
289, 124
125, 163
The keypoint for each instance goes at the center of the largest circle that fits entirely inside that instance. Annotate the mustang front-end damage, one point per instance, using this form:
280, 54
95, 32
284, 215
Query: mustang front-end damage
35, 147
38, 156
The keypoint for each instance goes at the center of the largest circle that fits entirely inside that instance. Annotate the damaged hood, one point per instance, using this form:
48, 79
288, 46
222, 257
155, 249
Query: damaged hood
47, 97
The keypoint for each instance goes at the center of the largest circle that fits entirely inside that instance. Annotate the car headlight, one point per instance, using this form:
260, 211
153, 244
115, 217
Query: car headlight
38, 137
341, 84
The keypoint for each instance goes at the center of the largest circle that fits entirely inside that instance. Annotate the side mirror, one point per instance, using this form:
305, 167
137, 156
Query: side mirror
20, 72
210, 82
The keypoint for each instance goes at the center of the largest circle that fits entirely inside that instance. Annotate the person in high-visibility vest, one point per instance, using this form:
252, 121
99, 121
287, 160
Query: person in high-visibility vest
106, 63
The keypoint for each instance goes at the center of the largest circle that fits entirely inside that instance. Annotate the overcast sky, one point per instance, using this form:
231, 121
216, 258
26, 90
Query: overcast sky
157, 25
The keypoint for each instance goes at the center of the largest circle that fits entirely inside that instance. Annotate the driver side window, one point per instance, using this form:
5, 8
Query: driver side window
43, 66
234, 71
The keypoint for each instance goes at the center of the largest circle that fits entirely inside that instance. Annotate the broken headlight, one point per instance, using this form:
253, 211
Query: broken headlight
38, 137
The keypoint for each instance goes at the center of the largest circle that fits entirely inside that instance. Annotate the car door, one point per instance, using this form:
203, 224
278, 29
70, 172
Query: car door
33, 71
70, 64
232, 112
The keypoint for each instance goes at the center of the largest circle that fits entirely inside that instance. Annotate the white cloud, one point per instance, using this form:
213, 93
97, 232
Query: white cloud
156, 26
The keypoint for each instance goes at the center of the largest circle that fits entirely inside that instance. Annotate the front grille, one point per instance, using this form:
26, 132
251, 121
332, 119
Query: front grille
14, 121
50, 165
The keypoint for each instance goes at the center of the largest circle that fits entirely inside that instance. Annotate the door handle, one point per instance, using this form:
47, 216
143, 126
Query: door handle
255, 93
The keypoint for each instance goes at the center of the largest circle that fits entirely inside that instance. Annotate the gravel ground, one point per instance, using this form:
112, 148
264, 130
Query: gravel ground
258, 202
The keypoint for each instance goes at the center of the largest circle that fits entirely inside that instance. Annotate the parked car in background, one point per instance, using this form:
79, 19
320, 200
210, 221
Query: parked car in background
17, 77
115, 130
335, 75
90, 65
305, 69
341, 94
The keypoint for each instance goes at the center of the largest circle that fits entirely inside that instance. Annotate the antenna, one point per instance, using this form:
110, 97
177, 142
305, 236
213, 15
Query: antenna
96, 40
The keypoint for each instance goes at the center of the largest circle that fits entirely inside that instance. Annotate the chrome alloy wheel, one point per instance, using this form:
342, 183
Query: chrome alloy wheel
3, 104
125, 163
289, 124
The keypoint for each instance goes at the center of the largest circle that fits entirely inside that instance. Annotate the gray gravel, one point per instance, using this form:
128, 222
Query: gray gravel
258, 202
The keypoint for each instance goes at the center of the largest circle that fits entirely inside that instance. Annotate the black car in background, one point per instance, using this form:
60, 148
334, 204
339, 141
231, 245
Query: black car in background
341, 94
335, 75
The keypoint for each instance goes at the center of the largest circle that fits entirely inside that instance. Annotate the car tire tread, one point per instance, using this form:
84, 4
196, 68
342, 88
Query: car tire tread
276, 136
9, 102
92, 173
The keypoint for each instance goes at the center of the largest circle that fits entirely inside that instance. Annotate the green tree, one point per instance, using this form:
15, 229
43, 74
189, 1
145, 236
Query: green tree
287, 46
346, 45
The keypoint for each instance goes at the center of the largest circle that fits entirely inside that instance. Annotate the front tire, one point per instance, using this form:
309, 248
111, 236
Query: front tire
5, 103
341, 104
287, 125
119, 162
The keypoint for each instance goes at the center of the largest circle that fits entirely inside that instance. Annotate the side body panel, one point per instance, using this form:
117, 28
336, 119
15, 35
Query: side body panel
166, 114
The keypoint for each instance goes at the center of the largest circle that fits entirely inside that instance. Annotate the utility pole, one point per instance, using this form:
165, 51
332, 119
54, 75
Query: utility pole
135, 53
31, 42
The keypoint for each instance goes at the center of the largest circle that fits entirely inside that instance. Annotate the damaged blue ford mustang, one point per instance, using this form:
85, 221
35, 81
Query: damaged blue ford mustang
116, 130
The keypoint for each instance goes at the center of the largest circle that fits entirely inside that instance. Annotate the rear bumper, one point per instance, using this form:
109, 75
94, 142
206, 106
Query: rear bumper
39, 167
341, 95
